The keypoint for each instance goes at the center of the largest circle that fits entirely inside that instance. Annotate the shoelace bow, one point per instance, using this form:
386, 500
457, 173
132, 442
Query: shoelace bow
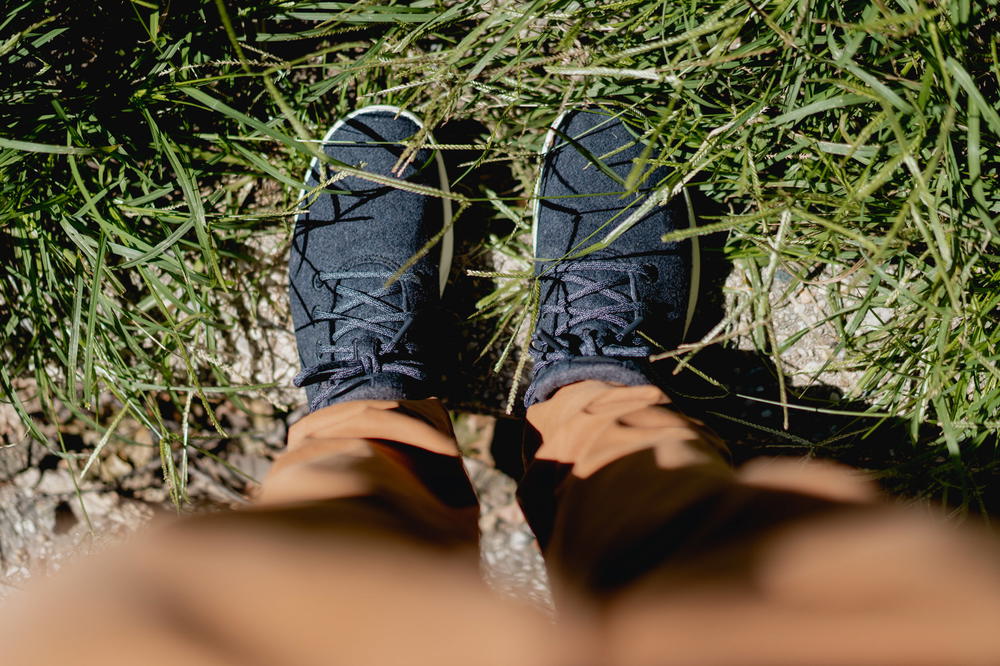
623, 311
367, 355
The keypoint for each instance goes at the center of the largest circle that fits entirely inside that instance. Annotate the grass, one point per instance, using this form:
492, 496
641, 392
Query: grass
849, 143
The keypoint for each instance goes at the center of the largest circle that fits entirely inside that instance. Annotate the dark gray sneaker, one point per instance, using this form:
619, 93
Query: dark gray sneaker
599, 312
357, 338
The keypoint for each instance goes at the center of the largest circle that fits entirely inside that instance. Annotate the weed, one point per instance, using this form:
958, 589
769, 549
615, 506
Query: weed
847, 139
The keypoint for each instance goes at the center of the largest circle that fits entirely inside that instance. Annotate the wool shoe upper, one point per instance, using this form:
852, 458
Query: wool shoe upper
356, 336
599, 312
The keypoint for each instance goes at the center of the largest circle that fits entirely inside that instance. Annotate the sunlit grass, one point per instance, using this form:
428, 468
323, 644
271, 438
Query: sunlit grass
856, 137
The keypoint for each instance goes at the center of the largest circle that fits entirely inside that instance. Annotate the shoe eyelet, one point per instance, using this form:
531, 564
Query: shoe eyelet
316, 282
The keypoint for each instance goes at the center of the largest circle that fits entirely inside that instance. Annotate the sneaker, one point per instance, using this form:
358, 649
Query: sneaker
358, 338
598, 313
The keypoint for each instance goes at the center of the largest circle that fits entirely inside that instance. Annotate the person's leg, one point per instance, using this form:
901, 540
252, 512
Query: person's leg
395, 459
675, 557
591, 400
361, 548
685, 561
623, 483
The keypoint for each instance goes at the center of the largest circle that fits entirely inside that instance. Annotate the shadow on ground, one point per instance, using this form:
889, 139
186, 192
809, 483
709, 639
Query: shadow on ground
471, 385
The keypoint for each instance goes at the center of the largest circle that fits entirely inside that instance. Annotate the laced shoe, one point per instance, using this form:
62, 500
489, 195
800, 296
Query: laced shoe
358, 338
599, 312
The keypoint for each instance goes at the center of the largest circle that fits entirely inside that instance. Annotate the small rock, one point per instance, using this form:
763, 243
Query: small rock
113, 468
140, 454
96, 505
28, 479
56, 482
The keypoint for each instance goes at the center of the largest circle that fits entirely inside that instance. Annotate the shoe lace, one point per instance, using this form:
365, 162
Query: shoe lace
380, 346
579, 331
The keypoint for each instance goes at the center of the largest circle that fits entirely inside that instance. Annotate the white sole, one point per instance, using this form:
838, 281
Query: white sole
448, 241
550, 139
